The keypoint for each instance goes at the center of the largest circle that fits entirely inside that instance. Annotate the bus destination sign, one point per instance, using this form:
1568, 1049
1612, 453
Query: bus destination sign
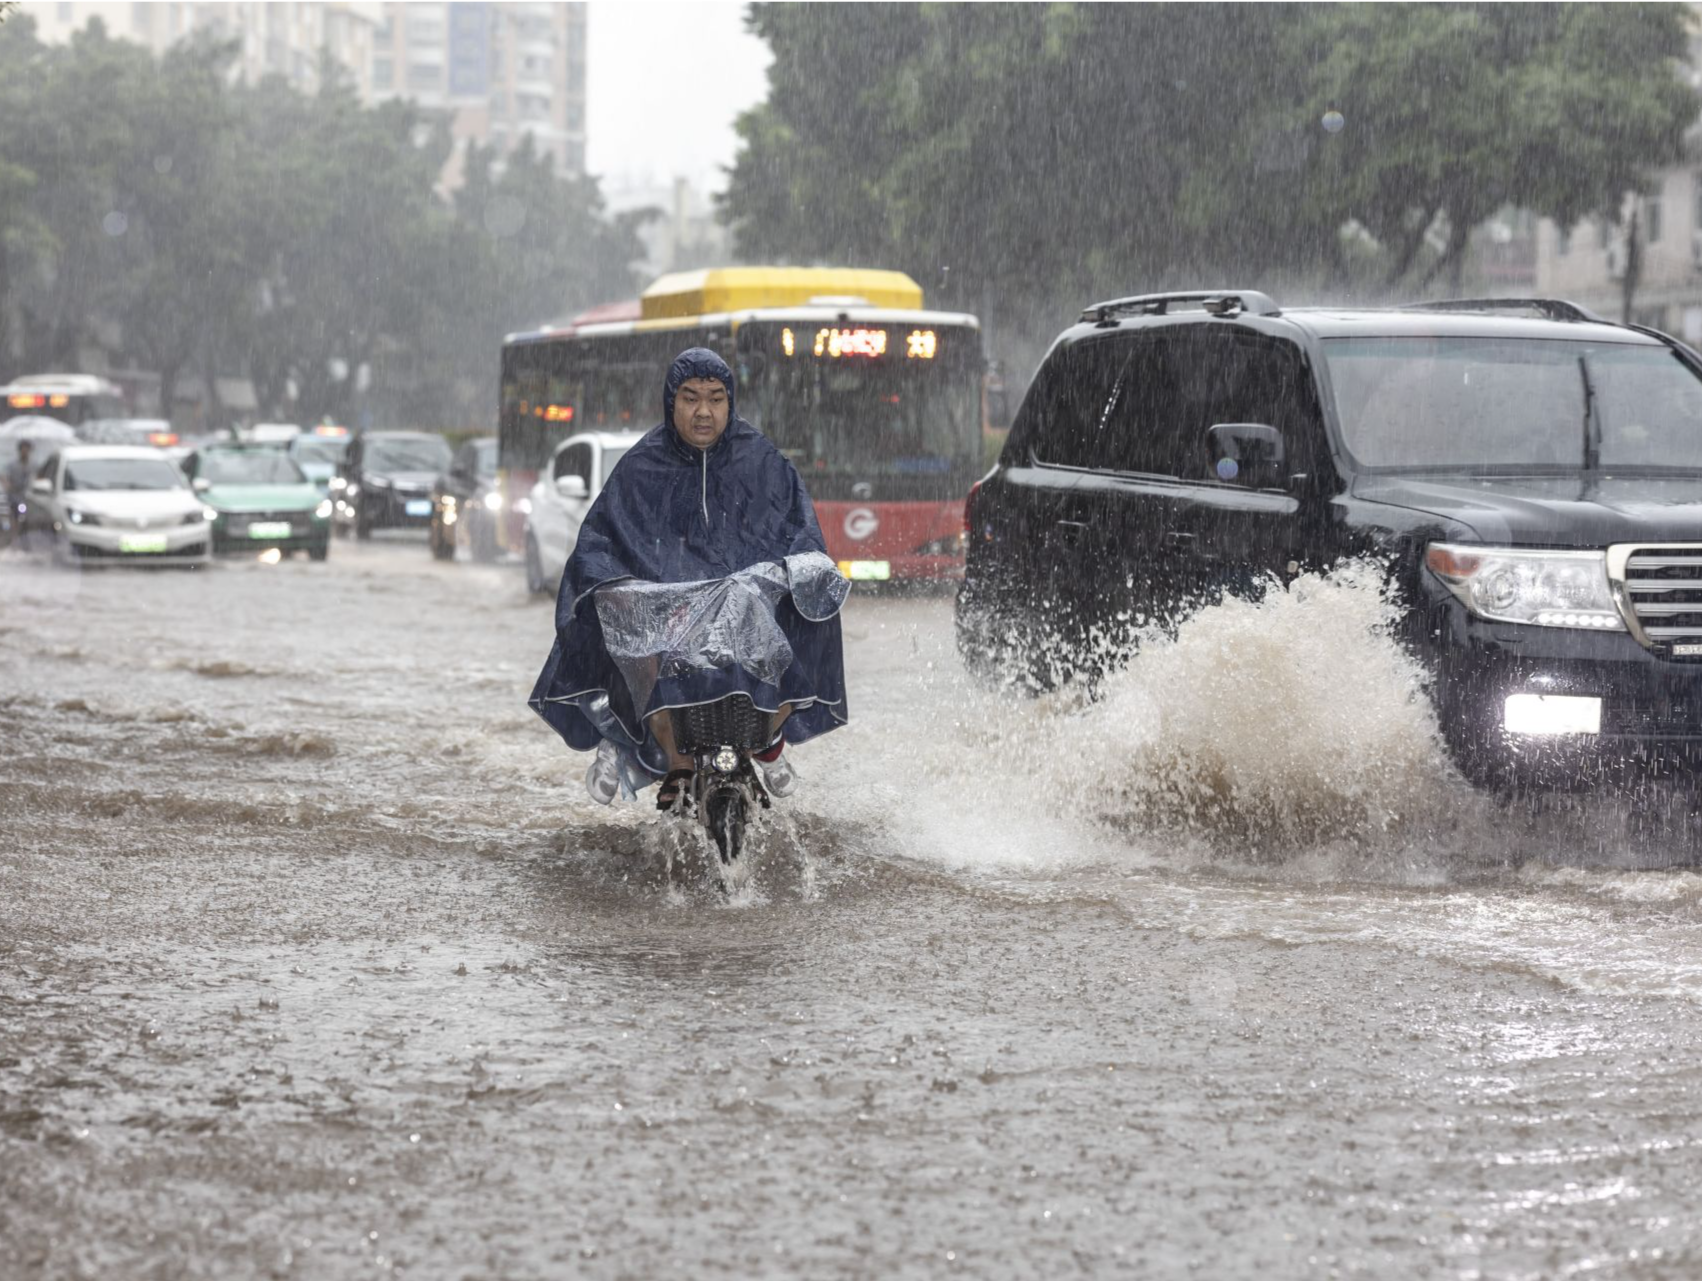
864, 343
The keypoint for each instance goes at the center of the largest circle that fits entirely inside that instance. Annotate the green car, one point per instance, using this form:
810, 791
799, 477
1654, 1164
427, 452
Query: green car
263, 500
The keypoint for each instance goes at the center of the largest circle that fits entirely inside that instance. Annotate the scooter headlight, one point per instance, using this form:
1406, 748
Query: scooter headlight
726, 760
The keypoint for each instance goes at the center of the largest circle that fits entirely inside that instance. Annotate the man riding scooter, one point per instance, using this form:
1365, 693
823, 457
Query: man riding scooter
699, 574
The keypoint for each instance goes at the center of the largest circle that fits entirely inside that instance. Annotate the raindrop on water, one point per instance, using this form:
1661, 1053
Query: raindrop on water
115, 224
1333, 121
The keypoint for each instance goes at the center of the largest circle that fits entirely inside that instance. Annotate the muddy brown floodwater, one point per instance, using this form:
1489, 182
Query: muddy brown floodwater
316, 961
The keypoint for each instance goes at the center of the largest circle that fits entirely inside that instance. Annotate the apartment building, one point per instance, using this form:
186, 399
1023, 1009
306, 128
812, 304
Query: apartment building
282, 37
502, 71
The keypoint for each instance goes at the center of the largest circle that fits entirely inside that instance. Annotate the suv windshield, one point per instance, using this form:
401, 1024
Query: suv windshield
1465, 403
406, 455
122, 473
262, 467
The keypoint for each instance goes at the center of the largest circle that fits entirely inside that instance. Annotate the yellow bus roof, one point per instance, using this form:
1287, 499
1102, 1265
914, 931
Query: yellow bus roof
723, 289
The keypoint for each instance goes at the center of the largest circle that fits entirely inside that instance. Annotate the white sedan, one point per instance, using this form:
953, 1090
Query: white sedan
116, 504
556, 507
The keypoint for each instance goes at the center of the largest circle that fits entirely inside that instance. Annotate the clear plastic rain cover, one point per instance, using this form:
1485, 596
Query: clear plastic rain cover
677, 630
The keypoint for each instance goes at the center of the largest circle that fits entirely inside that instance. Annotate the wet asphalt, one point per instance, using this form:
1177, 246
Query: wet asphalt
316, 961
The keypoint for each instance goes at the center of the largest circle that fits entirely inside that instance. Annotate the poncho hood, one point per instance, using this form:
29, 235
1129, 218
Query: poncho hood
697, 362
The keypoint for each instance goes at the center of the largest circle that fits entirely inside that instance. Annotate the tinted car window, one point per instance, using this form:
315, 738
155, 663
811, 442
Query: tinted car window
1061, 416
1142, 402
1181, 382
575, 460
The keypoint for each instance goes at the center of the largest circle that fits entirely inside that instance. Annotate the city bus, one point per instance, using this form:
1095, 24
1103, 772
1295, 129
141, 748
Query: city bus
71, 398
876, 401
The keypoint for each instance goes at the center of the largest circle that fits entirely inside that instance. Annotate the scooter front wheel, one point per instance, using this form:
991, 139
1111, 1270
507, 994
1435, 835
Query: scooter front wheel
724, 816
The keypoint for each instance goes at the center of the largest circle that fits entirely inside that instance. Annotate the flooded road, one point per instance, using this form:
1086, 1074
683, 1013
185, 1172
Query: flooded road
317, 961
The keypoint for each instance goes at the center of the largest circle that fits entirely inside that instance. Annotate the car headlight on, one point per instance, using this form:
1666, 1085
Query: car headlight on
81, 517
336, 483
524, 506
493, 501
203, 516
323, 511
374, 482
1539, 588
351, 491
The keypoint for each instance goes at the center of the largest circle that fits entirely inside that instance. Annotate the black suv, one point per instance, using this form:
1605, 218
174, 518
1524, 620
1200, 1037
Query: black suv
1530, 474
385, 481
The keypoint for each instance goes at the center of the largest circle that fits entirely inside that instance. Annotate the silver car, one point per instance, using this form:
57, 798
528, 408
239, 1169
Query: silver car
118, 504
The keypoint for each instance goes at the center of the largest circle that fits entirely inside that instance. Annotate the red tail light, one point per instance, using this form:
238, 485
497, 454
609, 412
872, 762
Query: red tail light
967, 504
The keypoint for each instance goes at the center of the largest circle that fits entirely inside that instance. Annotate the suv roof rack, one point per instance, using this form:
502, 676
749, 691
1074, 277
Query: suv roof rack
1219, 302
1547, 308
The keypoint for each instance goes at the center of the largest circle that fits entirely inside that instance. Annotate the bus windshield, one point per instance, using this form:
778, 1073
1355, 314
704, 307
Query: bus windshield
889, 411
896, 408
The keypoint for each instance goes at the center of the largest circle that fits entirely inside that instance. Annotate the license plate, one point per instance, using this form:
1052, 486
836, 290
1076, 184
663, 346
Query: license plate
866, 571
418, 507
142, 543
269, 529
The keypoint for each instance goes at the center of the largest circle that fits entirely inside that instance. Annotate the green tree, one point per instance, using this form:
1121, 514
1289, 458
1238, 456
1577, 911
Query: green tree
1048, 154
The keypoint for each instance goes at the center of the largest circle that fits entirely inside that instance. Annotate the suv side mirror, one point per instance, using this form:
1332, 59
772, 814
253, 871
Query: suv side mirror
1251, 453
572, 487
42, 485
201, 484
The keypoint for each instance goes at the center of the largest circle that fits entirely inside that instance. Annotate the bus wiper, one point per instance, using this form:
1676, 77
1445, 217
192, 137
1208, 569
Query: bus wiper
1592, 425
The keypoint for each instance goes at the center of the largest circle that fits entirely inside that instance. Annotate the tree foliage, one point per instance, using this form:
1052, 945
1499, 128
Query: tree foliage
1020, 159
187, 224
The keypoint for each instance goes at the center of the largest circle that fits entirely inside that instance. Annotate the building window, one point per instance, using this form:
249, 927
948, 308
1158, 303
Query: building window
422, 76
383, 73
575, 118
142, 18
1652, 220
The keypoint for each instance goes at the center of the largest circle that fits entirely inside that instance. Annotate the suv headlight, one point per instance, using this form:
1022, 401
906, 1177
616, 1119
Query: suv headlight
1539, 588
77, 517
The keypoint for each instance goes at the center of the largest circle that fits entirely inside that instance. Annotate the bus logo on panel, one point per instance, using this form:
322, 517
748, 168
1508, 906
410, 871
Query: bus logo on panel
860, 523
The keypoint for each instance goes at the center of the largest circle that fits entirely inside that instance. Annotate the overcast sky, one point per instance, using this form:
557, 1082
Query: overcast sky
665, 81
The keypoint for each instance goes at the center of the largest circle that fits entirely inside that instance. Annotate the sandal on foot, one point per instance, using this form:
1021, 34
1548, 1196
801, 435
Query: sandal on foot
674, 792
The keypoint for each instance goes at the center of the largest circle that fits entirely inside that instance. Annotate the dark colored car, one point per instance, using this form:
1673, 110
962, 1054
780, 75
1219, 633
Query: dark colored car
384, 481
1530, 474
466, 503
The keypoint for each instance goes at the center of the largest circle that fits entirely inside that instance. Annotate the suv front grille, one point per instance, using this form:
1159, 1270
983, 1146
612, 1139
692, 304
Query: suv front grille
1660, 590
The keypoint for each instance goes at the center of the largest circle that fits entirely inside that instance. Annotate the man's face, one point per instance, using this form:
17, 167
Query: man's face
23, 451
700, 411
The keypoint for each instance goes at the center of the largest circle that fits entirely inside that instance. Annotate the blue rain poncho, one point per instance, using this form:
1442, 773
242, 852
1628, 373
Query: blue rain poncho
697, 574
